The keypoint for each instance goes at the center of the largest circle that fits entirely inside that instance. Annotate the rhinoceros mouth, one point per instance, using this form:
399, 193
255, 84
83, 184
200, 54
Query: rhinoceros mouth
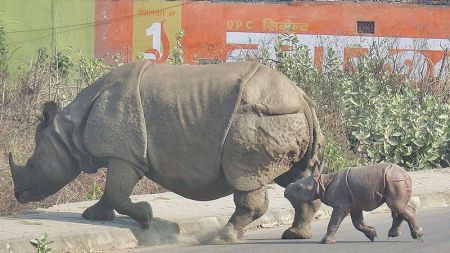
20, 198
26, 196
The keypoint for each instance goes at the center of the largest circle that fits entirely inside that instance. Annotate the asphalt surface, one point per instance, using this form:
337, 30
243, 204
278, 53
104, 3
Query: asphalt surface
435, 222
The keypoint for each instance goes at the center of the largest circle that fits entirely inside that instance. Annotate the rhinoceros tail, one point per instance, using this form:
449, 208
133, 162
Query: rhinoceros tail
317, 137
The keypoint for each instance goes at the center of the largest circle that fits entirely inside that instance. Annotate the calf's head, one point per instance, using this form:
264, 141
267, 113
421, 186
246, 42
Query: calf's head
305, 189
50, 167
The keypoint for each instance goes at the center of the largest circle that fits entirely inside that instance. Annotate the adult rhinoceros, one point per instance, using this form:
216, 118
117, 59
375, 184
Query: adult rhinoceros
203, 132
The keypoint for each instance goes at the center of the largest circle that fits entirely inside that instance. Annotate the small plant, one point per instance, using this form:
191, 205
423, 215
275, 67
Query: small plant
177, 53
91, 69
95, 192
41, 244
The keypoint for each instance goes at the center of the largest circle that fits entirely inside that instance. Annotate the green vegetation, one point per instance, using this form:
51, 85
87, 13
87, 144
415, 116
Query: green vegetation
177, 54
391, 120
95, 192
91, 69
368, 111
42, 244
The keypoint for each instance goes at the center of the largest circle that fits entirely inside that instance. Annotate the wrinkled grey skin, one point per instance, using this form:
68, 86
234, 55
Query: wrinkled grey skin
203, 132
353, 190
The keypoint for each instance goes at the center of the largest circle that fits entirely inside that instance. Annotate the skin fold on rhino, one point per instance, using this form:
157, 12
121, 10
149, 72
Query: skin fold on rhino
354, 190
203, 132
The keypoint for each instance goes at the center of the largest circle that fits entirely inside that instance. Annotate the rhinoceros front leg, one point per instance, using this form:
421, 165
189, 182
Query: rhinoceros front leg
337, 216
301, 227
249, 206
358, 223
121, 178
102, 210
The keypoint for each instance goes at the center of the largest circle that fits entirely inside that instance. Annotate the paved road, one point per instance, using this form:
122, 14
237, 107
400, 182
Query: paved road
436, 224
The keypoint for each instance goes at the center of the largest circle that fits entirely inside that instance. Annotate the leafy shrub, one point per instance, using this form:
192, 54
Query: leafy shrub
382, 115
177, 53
91, 69
390, 120
338, 156
294, 60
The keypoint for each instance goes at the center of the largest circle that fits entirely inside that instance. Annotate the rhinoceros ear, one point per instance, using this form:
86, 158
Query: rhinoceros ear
49, 111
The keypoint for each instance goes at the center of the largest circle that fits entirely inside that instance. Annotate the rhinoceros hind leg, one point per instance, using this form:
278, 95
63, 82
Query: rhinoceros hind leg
405, 212
301, 226
249, 206
120, 180
358, 223
409, 214
396, 221
102, 210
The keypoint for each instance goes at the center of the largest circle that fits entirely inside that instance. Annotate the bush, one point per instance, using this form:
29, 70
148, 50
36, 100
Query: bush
382, 115
177, 53
294, 60
390, 120
90, 70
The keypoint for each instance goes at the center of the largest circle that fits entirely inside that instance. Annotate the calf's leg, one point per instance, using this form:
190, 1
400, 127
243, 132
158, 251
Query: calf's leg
398, 195
120, 180
337, 216
250, 205
409, 214
358, 223
396, 221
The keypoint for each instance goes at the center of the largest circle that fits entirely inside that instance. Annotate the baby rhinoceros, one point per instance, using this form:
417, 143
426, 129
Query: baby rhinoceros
353, 190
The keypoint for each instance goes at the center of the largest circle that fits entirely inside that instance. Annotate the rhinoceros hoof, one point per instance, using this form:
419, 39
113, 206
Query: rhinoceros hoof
371, 234
98, 213
229, 234
417, 233
144, 214
292, 233
393, 233
328, 240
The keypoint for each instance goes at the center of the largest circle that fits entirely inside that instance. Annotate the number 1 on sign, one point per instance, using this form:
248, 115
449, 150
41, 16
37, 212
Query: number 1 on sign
154, 31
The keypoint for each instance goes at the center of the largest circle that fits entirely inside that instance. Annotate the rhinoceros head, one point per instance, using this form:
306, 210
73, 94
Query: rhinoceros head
305, 189
50, 167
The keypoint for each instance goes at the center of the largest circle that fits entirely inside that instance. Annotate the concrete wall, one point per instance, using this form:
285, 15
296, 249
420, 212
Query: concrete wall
220, 31
31, 24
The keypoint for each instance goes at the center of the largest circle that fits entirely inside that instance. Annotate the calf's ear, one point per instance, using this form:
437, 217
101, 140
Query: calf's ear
318, 169
321, 166
49, 111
